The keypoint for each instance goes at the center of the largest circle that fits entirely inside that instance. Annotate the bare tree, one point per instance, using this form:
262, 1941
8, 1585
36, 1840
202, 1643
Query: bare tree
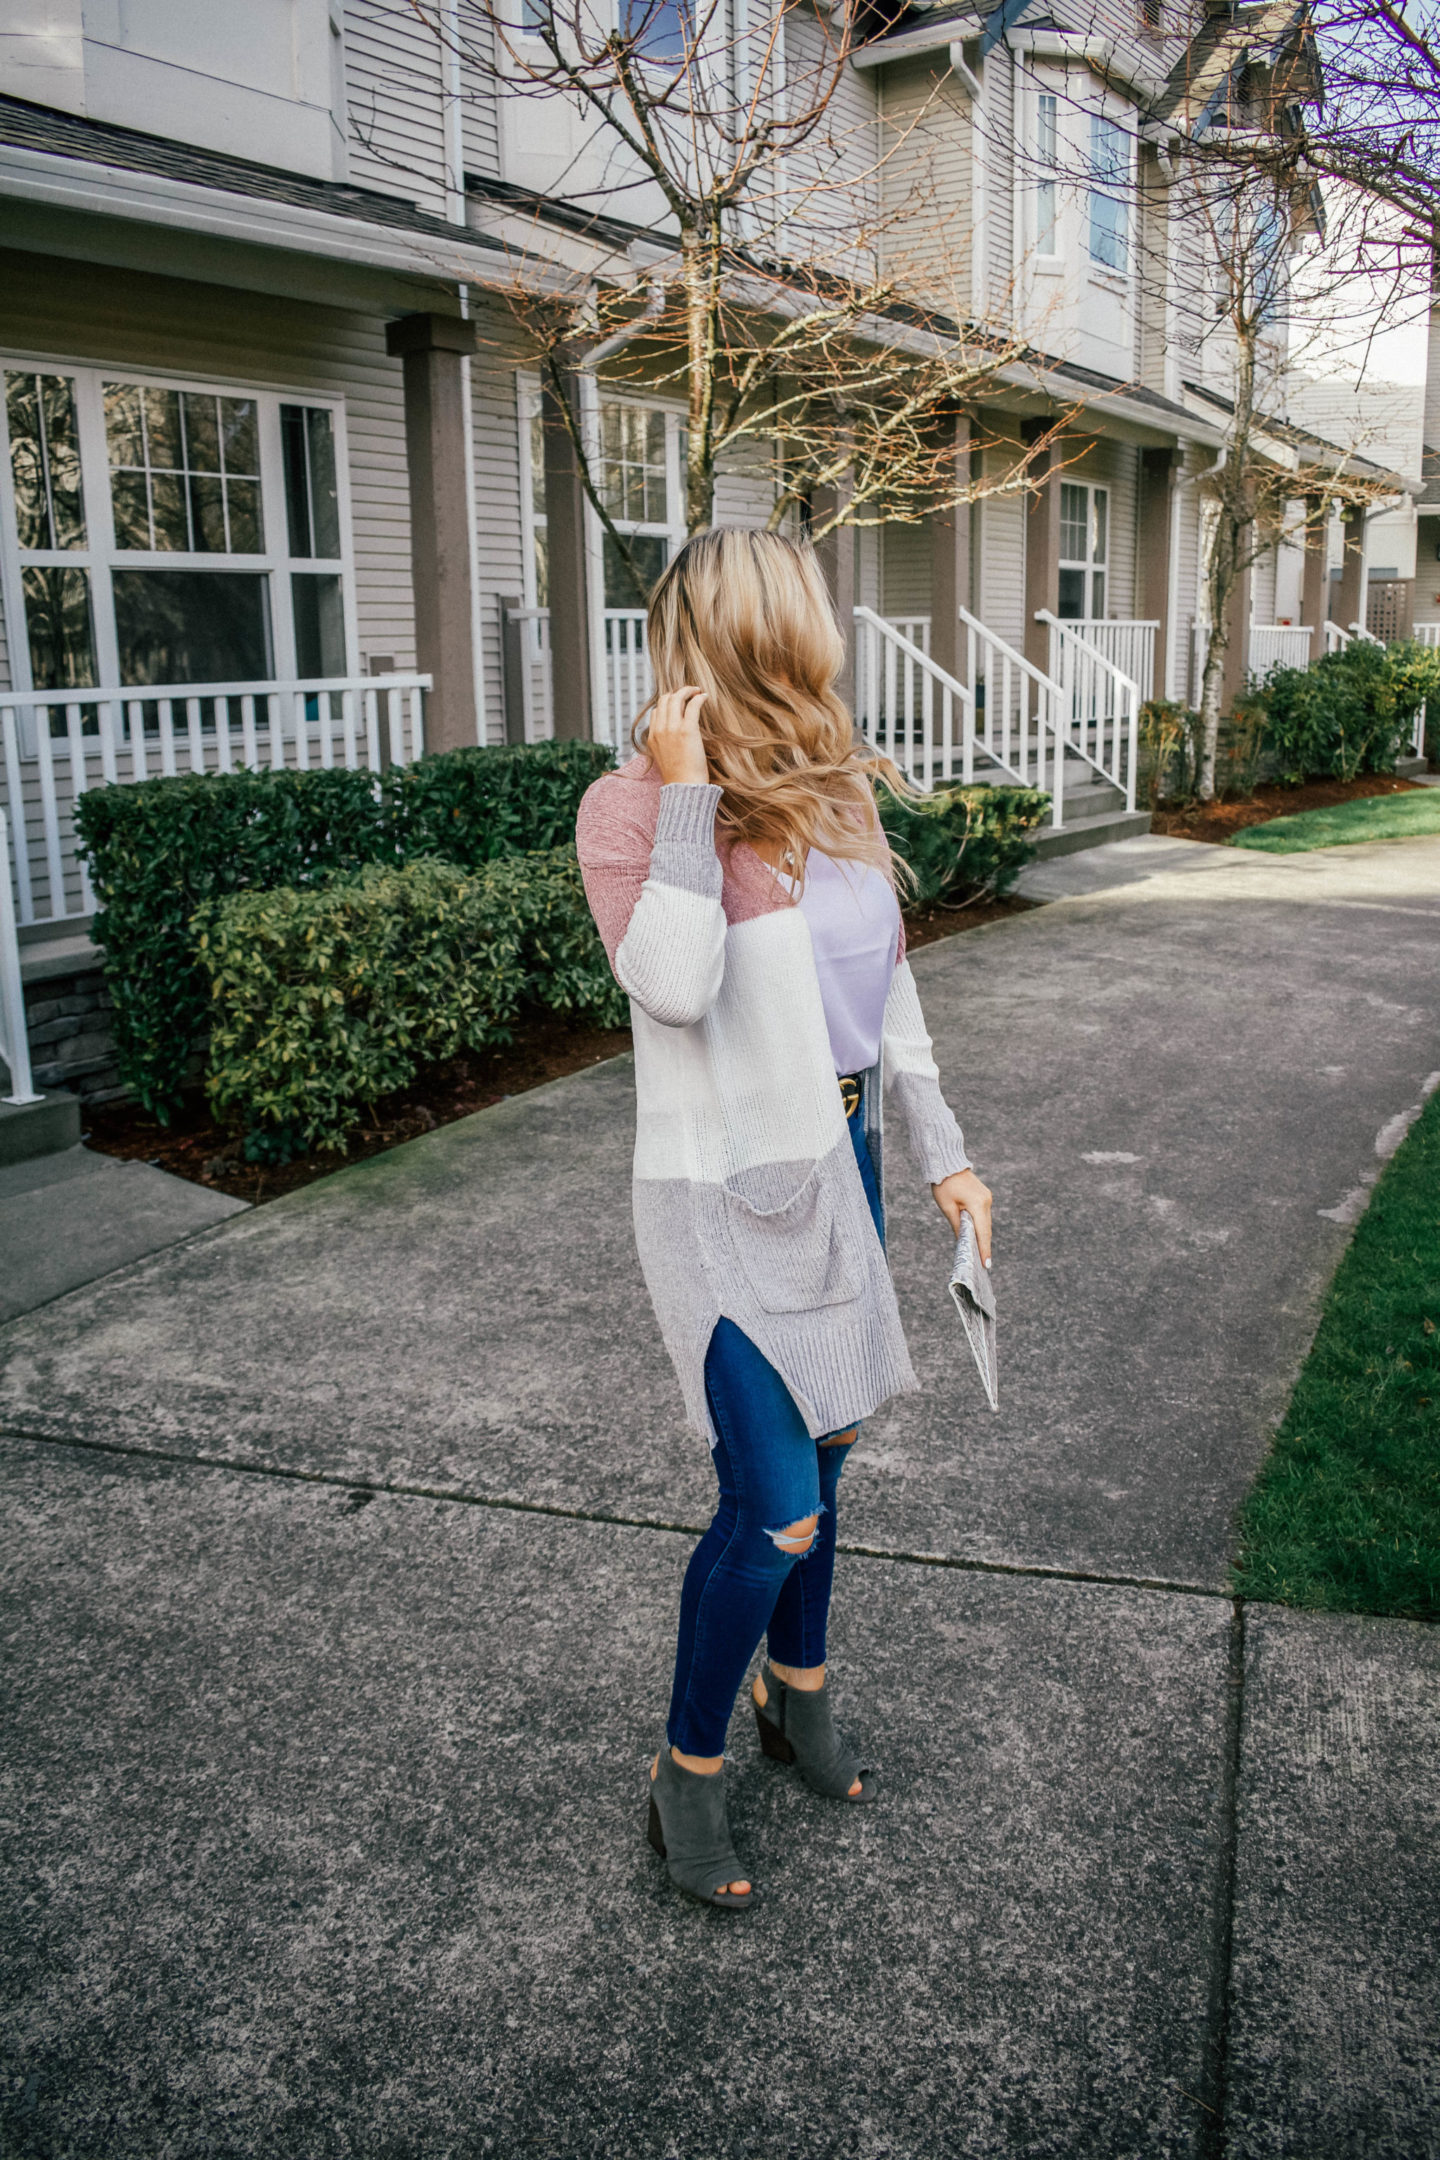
779, 270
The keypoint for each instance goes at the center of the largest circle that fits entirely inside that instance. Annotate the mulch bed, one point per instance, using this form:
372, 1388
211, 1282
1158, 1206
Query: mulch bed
547, 1047
1219, 822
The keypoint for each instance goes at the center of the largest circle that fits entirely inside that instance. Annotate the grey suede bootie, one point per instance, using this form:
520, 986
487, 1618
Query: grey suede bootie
796, 1726
689, 1830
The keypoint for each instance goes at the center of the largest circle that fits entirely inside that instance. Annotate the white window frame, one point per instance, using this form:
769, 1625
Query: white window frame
1109, 112
1093, 490
527, 397
1047, 94
100, 556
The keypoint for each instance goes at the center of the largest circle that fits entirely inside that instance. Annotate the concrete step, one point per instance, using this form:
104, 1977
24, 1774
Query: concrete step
1088, 832
1411, 768
47, 1127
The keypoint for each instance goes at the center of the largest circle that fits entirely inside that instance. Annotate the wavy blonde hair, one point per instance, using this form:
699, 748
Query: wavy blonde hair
745, 616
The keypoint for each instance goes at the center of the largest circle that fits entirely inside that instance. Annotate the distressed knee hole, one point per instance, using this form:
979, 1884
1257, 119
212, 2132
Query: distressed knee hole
842, 1439
797, 1538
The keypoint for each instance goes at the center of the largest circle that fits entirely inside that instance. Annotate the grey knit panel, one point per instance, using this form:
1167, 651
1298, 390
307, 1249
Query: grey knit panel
684, 849
806, 1281
936, 1141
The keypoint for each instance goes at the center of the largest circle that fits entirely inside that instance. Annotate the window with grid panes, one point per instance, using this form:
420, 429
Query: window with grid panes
144, 549
49, 517
1084, 552
635, 484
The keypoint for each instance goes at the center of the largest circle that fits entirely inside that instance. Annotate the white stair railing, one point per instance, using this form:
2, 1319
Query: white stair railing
1101, 703
1336, 639
57, 743
1020, 717
14, 1042
907, 707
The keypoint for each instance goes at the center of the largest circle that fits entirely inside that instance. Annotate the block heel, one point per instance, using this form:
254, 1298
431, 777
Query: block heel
796, 1726
687, 1827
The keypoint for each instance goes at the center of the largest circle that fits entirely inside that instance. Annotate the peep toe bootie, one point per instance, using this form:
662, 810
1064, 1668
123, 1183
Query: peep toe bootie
689, 1830
796, 1726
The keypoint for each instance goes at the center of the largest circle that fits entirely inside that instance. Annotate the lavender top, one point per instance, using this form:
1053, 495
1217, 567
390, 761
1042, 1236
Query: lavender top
854, 922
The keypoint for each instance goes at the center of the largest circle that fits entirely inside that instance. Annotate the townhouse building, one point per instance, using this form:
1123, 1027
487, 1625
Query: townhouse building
272, 464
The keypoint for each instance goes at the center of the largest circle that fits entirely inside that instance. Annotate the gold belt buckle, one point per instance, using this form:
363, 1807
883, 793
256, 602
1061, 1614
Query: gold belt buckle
849, 1093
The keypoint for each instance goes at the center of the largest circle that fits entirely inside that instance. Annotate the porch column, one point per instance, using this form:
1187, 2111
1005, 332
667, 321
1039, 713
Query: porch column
435, 351
1237, 651
1158, 472
836, 553
1350, 598
1315, 572
1042, 554
950, 551
572, 687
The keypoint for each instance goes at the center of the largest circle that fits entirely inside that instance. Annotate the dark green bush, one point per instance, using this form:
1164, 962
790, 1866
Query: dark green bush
160, 850
328, 998
962, 842
1348, 713
469, 806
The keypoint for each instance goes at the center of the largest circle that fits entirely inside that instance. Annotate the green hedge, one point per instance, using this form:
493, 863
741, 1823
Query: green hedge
161, 850
1350, 712
326, 999
962, 842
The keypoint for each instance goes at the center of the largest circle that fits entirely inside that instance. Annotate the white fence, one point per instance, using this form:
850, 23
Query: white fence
1278, 645
56, 745
1128, 646
14, 1042
628, 681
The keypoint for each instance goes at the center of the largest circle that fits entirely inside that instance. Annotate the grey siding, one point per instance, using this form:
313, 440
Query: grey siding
905, 560
394, 83
999, 526
928, 149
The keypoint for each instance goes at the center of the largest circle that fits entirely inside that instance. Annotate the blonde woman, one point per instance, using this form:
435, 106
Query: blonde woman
743, 888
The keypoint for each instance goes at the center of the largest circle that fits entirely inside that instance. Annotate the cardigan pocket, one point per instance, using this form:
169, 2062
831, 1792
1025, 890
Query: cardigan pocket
793, 1256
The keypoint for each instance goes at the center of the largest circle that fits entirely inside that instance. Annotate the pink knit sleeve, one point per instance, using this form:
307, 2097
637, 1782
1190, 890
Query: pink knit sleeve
614, 837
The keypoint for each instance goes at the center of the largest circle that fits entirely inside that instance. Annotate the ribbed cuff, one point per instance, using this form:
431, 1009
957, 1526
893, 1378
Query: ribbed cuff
687, 814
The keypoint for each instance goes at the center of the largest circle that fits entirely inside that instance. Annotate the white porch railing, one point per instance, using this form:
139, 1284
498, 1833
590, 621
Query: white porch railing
14, 1042
1427, 633
1101, 702
57, 744
906, 706
537, 694
1278, 645
1128, 646
628, 680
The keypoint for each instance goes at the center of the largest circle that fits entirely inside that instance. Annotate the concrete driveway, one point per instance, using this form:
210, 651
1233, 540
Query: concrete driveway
344, 1541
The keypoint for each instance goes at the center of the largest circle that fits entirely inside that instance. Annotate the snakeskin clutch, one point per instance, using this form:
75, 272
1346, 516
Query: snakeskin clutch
974, 1296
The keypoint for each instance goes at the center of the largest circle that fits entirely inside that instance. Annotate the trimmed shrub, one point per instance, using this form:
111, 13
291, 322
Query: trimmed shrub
962, 843
469, 806
161, 849
1348, 713
326, 999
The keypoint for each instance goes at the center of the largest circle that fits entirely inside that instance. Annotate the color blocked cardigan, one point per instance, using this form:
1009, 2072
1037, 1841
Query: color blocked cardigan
748, 1200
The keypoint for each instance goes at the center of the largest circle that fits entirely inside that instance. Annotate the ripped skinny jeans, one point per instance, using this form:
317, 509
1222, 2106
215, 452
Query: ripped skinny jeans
742, 1583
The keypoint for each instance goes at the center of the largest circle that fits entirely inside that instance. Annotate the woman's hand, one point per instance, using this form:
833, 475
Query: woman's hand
963, 1194
673, 738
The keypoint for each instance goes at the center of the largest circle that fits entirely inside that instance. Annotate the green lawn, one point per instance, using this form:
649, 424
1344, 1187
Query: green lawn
1345, 1514
1371, 817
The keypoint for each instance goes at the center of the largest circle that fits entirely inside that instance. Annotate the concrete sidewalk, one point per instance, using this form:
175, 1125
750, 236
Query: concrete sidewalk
330, 1728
